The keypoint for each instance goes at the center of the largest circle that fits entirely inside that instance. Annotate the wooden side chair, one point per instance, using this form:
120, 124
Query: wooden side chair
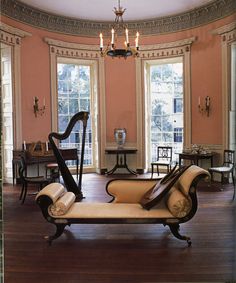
226, 168
164, 158
41, 181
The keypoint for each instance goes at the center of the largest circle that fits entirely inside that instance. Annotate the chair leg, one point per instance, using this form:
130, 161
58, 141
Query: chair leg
233, 194
232, 174
152, 171
168, 168
222, 181
22, 190
158, 172
25, 192
233, 178
211, 176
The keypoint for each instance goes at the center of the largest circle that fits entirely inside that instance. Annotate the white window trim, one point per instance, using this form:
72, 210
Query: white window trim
228, 37
12, 36
147, 54
147, 65
88, 54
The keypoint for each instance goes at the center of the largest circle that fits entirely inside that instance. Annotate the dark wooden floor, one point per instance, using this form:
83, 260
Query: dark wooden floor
120, 253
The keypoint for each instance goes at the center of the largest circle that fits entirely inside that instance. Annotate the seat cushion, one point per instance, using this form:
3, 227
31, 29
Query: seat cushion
113, 210
222, 169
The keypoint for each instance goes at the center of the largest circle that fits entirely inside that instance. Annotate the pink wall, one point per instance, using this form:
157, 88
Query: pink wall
120, 97
120, 82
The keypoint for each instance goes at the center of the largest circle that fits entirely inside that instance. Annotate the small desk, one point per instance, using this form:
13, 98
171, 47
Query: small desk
121, 161
67, 154
195, 157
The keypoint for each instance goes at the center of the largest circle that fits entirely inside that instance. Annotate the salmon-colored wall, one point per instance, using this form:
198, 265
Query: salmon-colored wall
120, 82
120, 97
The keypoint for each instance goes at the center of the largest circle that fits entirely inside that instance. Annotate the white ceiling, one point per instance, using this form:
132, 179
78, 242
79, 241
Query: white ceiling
102, 10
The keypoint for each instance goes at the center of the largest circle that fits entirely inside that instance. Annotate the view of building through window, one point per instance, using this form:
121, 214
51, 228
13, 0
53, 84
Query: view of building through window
166, 98
74, 95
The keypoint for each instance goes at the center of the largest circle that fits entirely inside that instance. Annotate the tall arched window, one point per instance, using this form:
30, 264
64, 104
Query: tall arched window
75, 92
163, 98
164, 105
77, 84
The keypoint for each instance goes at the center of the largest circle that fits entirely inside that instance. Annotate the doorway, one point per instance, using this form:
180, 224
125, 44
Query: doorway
232, 106
7, 109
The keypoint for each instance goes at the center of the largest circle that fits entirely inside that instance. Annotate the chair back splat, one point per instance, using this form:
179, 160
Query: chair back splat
68, 179
163, 158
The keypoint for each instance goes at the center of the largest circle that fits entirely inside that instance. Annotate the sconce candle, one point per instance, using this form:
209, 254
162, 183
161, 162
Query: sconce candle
46, 145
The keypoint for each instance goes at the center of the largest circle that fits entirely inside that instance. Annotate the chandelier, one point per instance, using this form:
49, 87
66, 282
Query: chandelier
119, 26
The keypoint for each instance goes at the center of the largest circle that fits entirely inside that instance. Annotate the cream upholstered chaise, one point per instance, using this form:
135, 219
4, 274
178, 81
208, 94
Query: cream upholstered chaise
178, 206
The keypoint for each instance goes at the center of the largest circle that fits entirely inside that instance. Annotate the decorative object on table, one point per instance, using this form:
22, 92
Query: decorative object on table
205, 108
37, 148
120, 136
195, 148
38, 110
186, 150
119, 27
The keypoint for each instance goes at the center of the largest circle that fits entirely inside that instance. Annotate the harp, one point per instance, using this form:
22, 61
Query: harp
67, 177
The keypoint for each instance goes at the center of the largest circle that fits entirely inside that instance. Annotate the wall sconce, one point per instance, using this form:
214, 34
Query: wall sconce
37, 109
205, 108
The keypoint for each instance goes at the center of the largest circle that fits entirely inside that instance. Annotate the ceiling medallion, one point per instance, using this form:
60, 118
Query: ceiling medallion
112, 49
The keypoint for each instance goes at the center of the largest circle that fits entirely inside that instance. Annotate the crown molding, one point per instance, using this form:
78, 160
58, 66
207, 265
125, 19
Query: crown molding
11, 35
72, 50
227, 33
224, 29
79, 46
14, 31
173, 44
213, 11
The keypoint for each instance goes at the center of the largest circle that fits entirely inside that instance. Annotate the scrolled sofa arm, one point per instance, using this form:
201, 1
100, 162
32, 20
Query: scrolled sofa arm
129, 191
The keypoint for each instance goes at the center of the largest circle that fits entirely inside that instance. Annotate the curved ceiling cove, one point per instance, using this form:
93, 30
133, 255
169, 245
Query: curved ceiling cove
101, 10
89, 18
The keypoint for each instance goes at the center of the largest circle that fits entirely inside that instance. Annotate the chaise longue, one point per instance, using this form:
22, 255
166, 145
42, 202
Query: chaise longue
178, 206
170, 201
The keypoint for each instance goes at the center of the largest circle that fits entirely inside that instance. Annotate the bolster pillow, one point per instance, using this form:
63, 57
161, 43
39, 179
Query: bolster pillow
62, 205
178, 204
53, 190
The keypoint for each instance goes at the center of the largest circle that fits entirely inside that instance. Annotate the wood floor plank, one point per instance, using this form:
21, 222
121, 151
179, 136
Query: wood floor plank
120, 253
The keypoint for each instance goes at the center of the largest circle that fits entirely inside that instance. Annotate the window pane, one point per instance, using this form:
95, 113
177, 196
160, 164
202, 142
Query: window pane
74, 95
166, 97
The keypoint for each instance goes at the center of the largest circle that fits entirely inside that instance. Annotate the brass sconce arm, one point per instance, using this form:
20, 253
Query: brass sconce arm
205, 108
38, 110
